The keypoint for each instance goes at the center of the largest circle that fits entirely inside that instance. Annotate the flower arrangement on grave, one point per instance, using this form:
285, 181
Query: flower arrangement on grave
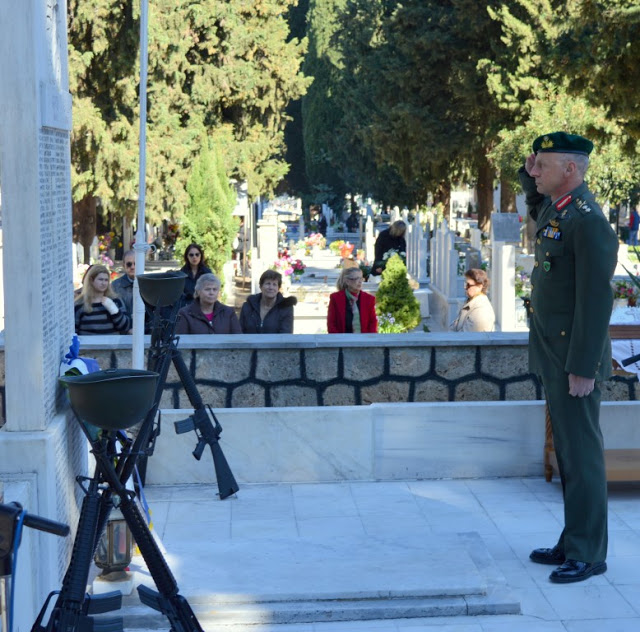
627, 290
346, 249
283, 265
335, 246
522, 283
298, 267
387, 325
315, 239
104, 241
391, 252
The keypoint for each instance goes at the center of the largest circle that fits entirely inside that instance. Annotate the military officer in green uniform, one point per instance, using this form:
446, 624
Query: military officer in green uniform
569, 346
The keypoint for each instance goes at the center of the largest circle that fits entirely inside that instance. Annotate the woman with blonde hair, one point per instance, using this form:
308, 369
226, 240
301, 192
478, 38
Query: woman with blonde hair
350, 309
98, 310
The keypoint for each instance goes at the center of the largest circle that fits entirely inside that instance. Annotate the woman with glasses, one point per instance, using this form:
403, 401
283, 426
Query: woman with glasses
97, 309
477, 313
194, 268
351, 311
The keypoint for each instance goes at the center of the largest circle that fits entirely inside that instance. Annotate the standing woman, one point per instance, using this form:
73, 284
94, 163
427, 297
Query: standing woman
206, 315
350, 309
194, 268
477, 313
268, 312
98, 310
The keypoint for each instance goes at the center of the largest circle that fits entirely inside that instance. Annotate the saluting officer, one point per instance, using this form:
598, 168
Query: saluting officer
569, 346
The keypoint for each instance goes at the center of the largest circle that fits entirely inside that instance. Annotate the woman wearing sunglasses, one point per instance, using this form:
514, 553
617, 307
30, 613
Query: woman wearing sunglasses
194, 268
477, 313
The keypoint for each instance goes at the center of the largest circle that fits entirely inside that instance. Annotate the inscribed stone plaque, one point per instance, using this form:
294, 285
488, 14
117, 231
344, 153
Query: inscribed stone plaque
505, 227
55, 240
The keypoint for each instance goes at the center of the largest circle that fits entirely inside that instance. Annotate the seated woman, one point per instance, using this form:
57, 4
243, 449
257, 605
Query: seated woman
98, 310
206, 315
351, 311
477, 313
194, 267
390, 239
268, 312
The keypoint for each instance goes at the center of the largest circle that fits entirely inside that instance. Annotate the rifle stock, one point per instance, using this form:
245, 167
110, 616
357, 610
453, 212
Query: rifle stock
208, 433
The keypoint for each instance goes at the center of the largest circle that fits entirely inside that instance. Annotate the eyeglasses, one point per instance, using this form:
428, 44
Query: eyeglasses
354, 278
468, 285
130, 264
194, 254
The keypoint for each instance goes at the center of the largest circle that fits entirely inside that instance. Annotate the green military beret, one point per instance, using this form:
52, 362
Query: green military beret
561, 142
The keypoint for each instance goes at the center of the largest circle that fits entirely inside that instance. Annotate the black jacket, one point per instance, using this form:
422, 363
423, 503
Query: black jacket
279, 319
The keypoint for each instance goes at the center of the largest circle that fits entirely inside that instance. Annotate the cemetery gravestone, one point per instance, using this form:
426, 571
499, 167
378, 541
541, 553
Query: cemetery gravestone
505, 227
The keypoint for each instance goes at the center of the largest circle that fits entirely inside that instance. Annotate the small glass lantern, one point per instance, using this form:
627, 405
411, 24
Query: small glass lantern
114, 551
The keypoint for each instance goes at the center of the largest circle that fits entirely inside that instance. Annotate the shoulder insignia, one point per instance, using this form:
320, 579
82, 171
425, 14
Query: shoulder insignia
562, 202
583, 206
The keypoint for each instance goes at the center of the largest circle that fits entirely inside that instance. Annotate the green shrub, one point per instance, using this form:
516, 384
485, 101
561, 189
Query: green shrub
395, 297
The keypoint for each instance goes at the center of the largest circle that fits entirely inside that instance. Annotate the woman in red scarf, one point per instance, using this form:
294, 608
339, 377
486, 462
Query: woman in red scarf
350, 309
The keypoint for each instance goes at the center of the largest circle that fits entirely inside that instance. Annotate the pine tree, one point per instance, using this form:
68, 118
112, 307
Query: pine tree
395, 296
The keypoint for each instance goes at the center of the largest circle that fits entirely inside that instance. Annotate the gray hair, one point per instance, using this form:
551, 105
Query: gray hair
206, 278
581, 162
341, 283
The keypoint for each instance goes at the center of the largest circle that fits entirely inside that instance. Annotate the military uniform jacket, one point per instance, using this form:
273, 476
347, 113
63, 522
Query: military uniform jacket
571, 299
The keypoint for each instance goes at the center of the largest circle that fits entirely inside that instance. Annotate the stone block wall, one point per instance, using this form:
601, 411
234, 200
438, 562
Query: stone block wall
345, 370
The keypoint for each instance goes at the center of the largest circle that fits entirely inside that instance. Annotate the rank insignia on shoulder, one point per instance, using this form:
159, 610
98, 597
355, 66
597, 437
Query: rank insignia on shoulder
562, 202
582, 205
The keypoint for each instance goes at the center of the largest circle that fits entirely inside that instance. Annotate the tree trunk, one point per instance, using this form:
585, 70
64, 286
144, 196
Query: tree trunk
507, 197
84, 223
443, 196
484, 190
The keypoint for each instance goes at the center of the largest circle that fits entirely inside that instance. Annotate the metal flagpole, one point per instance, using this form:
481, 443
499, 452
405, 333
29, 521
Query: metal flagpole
141, 247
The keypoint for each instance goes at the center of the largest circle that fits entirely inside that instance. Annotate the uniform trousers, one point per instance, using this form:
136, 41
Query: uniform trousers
579, 450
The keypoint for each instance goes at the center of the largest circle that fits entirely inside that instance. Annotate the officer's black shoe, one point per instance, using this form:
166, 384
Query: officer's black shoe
574, 571
547, 556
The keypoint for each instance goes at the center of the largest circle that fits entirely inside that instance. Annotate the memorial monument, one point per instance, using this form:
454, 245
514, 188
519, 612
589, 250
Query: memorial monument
40, 453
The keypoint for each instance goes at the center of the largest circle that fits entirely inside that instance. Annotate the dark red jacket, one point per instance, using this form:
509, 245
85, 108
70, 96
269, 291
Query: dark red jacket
337, 315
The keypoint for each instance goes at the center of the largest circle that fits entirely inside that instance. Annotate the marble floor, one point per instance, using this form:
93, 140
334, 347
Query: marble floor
511, 516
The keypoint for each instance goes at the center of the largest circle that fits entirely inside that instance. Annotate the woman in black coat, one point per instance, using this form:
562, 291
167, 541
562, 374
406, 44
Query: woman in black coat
390, 239
268, 312
194, 268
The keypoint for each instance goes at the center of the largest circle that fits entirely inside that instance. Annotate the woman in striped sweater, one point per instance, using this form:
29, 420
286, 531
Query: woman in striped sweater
98, 310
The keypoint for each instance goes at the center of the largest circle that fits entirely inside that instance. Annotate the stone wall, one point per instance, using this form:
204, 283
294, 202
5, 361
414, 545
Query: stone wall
346, 370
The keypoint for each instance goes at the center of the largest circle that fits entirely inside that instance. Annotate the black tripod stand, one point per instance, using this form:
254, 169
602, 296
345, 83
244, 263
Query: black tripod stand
105, 403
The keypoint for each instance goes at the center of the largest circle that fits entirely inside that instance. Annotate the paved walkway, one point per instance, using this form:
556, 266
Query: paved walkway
238, 546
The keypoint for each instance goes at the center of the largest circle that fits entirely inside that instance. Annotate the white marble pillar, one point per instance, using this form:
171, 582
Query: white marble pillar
502, 290
39, 449
268, 237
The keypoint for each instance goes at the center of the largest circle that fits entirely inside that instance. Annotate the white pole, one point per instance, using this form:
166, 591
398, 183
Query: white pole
141, 247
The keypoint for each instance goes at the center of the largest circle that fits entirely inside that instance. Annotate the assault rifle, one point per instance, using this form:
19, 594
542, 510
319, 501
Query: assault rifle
160, 290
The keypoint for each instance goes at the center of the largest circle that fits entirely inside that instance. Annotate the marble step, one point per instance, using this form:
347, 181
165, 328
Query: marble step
346, 578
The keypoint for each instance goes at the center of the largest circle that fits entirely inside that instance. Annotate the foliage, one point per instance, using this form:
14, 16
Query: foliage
387, 325
208, 220
522, 282
224, 69
625, 289
395, 296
